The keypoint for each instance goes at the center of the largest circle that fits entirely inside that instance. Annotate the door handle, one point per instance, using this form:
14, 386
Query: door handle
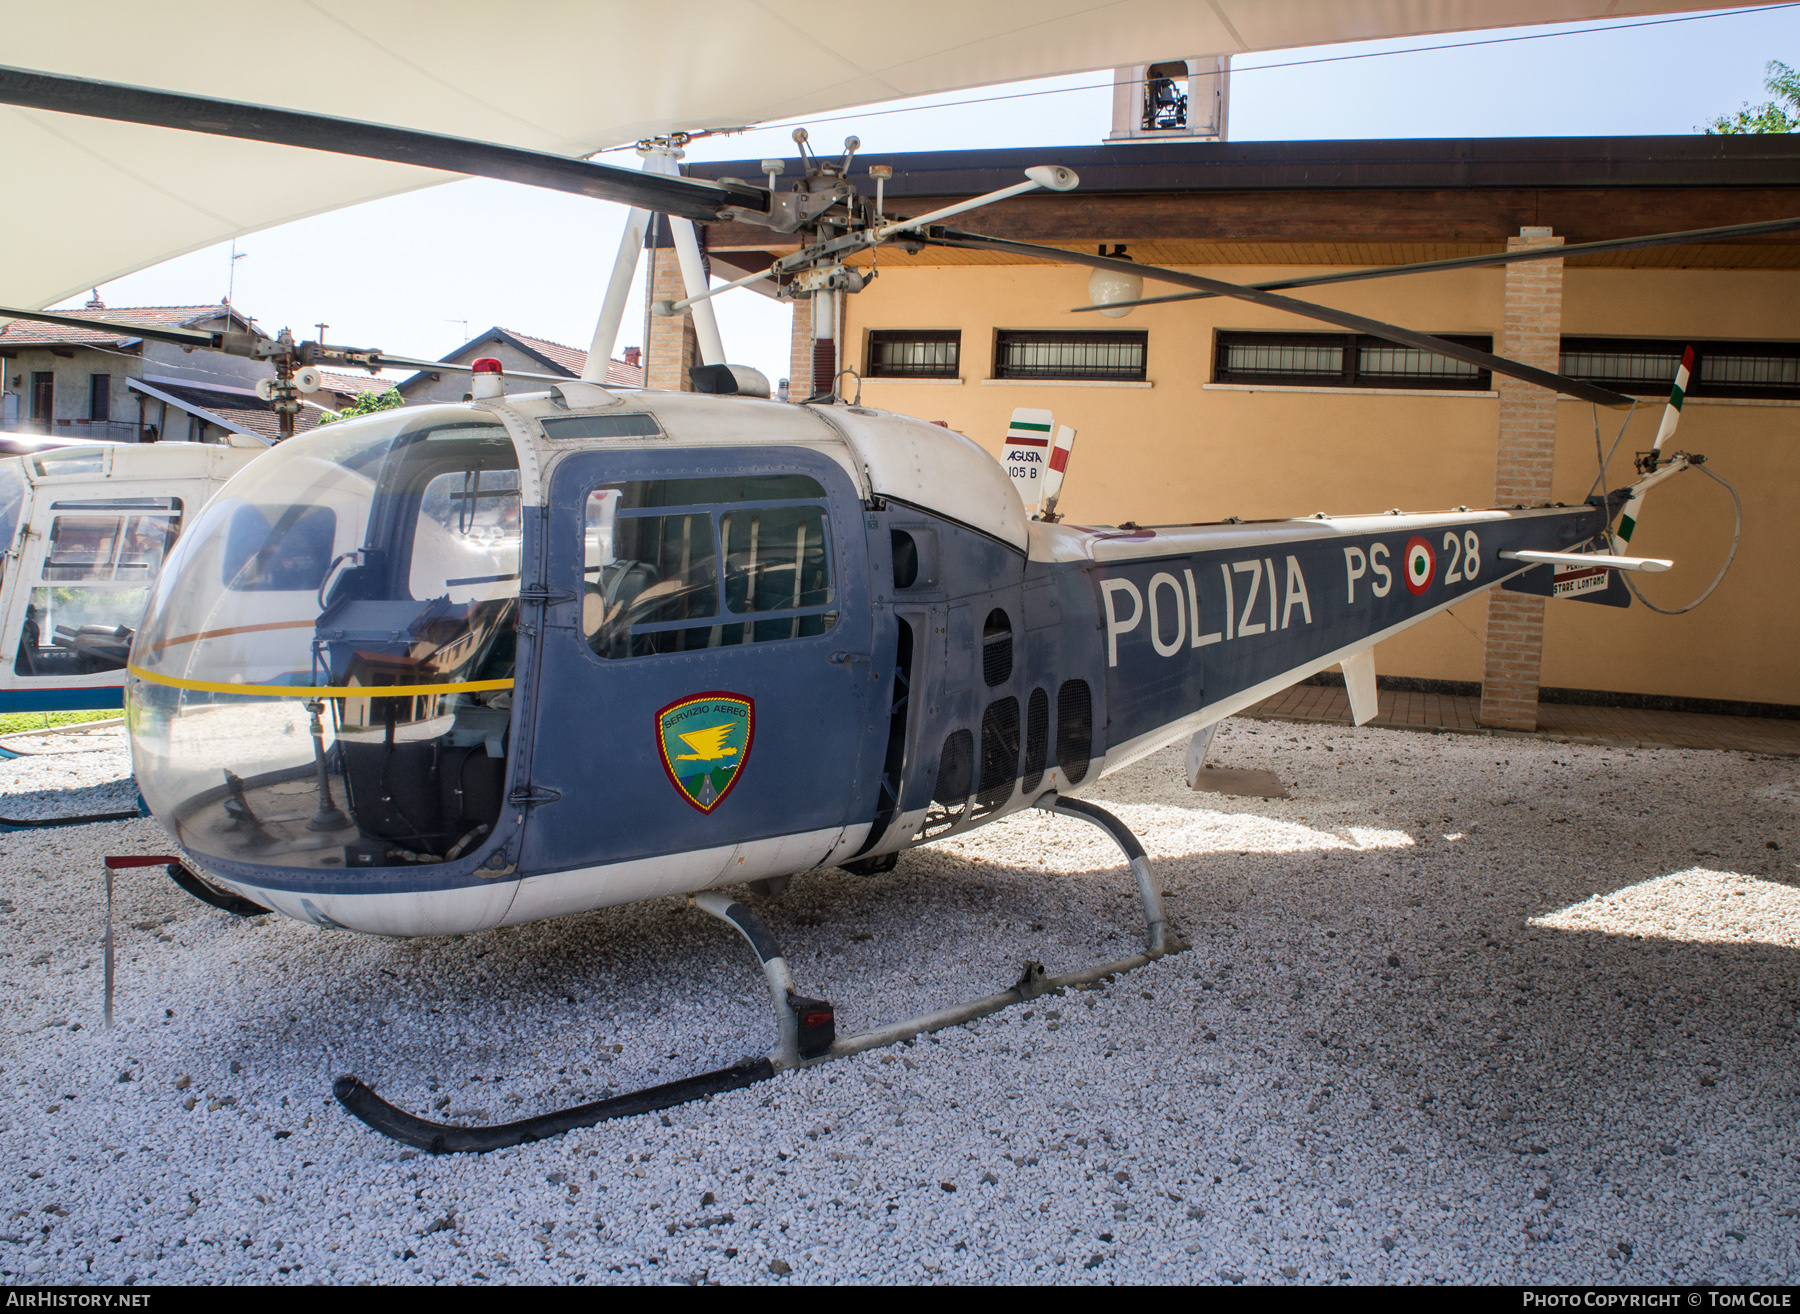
849, 658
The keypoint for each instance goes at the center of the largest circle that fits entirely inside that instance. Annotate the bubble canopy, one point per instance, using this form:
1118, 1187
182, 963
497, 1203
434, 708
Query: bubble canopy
373, 554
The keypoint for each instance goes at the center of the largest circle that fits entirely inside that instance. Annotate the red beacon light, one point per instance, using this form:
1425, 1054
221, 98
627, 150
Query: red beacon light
490, 379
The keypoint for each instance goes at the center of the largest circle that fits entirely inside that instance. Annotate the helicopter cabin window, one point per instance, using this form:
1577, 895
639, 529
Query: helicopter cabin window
12, 502
1344, 360
278, 548
100, 559
466, 546
1645, 367
1095, 355
914, 354
676, 565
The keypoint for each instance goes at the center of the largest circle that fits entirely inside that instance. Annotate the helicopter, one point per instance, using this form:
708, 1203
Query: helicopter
389, 671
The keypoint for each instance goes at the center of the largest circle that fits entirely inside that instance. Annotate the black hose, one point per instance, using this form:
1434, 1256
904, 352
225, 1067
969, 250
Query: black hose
441, 1138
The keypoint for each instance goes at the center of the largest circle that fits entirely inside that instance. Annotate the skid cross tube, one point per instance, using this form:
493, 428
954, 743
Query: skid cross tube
791, 1012
1148, 890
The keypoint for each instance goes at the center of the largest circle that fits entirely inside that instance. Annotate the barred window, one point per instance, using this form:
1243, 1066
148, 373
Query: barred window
1646, 366
1097, 355
914, 354
1344, 360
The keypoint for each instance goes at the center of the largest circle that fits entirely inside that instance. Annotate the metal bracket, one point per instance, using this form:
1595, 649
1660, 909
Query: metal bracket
530, 795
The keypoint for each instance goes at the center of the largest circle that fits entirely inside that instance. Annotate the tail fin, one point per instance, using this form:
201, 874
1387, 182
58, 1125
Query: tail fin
1628, 519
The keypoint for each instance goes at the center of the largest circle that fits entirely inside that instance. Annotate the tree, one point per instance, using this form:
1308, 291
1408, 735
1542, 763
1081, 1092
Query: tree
366, 403
1769, 116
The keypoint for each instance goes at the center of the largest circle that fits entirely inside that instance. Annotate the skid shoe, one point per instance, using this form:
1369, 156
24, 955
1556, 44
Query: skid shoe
806, 1028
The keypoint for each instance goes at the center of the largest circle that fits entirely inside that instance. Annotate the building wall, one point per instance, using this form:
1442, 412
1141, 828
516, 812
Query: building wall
72, 375
1180, 450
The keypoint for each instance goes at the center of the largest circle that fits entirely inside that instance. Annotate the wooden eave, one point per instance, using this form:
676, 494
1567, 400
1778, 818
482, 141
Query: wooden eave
1357, 226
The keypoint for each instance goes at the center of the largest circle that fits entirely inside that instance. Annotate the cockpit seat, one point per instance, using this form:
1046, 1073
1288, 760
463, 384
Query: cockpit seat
612, 598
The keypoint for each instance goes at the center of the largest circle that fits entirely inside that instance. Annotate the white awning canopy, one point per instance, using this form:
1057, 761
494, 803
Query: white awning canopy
94, 200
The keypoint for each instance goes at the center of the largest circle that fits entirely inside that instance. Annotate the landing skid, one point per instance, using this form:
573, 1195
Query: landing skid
807, 1028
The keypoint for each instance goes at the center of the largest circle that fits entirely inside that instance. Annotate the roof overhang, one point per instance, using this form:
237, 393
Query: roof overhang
151, 390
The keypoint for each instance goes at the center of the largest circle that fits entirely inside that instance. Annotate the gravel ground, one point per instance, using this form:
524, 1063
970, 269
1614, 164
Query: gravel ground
80, 773
1462, 1009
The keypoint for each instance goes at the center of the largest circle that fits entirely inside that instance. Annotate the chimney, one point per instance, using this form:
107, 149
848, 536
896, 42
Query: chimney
634, 357
96, 303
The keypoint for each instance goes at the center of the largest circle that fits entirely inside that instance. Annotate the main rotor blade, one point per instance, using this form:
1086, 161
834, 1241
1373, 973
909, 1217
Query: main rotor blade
181, 337
690, 198
1499, 258
1343, 319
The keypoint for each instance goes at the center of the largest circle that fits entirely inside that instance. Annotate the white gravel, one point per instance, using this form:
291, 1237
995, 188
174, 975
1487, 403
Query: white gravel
70, 774
1462, 1010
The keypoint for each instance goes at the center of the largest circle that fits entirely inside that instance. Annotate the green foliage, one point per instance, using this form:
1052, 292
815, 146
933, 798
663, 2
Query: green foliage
1784, 82
366, 403
14, 722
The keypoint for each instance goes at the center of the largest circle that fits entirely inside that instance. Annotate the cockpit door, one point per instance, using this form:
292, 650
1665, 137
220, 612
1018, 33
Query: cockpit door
705, 681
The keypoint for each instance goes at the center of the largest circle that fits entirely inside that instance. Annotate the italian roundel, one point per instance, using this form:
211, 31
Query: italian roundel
1421, 564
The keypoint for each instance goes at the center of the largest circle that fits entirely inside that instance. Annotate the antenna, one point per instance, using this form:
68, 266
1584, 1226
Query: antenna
321, 326
231, 282
465, 326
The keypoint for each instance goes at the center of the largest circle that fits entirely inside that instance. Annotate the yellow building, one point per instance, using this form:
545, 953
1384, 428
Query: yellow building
1203, 409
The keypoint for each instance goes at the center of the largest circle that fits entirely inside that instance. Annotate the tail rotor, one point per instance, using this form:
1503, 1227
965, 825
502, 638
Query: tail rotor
1648, 462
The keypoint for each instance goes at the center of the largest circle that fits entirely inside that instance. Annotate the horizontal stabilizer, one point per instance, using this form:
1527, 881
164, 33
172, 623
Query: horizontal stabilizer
1591, 561
1587, 582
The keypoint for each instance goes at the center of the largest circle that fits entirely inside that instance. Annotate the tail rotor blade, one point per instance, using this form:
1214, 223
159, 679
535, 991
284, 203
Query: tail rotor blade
1026, 455
1671, 417
1059, 466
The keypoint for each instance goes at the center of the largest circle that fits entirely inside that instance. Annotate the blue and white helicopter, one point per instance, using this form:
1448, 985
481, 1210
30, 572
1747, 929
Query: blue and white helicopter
390, 671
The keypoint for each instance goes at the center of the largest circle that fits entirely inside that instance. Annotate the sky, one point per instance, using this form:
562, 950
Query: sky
420, 274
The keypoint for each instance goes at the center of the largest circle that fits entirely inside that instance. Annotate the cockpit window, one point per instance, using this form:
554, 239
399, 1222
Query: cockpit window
99, 560
12, 499
468, 537
279, 548
652, 578
324, 674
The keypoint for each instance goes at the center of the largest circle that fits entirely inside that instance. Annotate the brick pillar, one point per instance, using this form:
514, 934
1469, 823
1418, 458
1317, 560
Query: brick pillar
800, 351
1526, 452
673, 348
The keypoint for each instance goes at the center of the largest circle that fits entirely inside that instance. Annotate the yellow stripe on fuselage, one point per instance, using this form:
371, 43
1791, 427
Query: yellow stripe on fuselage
321, 691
